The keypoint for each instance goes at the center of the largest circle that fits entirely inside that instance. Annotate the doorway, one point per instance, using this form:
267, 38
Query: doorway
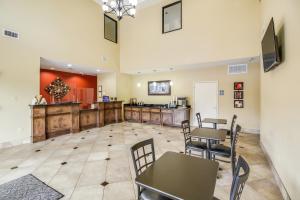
206, 100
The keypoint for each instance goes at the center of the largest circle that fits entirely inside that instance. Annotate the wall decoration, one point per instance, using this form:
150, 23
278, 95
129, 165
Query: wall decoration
172, 17
238, 94
238, 85
221, 92
58, 89
239, 103
159, 88
110, 29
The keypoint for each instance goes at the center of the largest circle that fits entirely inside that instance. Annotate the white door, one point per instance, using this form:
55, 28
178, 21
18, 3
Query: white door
206, 100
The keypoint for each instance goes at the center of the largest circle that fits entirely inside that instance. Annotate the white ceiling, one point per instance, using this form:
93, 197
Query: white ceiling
70, 67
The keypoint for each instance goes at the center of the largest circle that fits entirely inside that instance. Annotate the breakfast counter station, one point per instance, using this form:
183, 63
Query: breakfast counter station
58, 119
156, 114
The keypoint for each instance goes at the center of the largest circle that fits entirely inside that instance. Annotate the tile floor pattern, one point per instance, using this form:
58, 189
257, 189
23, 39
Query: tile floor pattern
101, 167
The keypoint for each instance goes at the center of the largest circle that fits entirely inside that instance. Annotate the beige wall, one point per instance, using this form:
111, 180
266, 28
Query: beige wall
116, 84
68, 31
213, 30
183, 86
280, 95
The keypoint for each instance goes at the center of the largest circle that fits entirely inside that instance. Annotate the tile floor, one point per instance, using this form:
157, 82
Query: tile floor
96, 164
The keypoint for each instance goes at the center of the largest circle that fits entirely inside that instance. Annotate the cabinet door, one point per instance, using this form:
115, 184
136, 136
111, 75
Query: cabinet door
136, 116
179, 116
167, 119
145, 116
155, 118
127, 115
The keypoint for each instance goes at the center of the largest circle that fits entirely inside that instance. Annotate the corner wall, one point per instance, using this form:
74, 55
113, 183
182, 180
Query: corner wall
280, 95
67, 31
183, 85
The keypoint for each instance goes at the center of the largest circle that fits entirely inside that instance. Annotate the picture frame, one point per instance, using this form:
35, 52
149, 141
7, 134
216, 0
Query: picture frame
238, 86
238, 95
159, 88
238, 103
110, 29
172, 17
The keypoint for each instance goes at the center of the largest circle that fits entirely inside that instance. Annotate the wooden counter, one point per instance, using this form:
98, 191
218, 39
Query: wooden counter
57, 119
156, 115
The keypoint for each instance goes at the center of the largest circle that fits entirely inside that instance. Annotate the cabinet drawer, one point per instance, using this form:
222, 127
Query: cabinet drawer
155, 110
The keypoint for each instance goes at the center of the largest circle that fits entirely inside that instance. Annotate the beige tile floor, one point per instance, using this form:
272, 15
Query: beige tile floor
86, 166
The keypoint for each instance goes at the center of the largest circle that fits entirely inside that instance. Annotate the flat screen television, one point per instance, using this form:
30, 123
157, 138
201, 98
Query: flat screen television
270, 50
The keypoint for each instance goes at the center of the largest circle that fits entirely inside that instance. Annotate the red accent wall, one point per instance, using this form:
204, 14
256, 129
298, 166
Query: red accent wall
75, 81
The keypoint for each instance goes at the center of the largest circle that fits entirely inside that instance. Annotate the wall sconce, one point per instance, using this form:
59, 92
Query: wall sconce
138, 84
171, 83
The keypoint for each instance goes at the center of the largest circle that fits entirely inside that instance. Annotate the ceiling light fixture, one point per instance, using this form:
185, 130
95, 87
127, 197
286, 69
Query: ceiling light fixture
120, 8
69, 65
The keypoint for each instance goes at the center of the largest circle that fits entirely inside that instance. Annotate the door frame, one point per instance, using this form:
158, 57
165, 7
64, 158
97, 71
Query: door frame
194, 99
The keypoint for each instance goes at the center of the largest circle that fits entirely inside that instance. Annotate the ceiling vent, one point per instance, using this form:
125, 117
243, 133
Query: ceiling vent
10, 33
237, 69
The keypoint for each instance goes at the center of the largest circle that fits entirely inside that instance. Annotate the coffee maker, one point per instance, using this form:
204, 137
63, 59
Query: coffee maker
182, 101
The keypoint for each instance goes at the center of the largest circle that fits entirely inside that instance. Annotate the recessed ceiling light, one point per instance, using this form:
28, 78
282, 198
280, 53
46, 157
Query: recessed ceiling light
69, 65
98, 70
52, 68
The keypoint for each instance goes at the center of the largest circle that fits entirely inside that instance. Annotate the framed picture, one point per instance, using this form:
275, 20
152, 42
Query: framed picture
110, 29
238, 103
172, 17
159, 88
238, 95
238, 85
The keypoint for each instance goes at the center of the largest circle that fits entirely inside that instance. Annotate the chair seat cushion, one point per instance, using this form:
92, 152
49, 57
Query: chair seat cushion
221, 150
149, 195
197, 145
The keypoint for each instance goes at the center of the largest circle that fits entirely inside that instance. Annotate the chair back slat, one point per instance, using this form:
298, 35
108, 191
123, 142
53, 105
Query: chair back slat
237, 128
239, 180
234, 118
186, 129
143, 157
198, 115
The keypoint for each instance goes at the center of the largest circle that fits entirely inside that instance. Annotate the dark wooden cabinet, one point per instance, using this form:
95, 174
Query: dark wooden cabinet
164, 116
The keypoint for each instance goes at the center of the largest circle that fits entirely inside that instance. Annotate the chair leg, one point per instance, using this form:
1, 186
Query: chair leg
190, 152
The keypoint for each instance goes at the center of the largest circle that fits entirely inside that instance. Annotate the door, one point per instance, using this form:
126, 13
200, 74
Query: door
206, 100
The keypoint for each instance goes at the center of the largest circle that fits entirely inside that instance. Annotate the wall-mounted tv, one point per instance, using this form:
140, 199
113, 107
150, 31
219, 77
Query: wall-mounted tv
270, 50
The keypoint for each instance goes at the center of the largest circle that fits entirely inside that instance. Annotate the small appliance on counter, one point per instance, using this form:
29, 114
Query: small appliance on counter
182, 101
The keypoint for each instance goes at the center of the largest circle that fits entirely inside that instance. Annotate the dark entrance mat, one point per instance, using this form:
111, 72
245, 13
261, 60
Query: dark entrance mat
28, 188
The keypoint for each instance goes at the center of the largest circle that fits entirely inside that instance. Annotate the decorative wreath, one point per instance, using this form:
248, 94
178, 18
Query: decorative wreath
58, 88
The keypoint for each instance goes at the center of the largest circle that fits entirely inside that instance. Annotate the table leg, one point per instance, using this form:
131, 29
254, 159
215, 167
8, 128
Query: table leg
208, 155
214, 125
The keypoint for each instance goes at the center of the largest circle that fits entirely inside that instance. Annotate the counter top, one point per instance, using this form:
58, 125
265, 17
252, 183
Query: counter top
55, 104
161, 106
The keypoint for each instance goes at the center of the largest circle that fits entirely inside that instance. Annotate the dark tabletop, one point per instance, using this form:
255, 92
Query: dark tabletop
214, 121
209, 133
181, 177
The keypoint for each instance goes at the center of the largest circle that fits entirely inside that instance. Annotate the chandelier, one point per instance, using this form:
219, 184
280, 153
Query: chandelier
120, 8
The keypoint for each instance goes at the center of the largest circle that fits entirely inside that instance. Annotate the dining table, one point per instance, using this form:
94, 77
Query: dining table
214, 121
210, 135
180, 177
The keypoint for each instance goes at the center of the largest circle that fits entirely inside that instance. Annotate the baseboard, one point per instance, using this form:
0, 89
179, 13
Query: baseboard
279, 182
13, 143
